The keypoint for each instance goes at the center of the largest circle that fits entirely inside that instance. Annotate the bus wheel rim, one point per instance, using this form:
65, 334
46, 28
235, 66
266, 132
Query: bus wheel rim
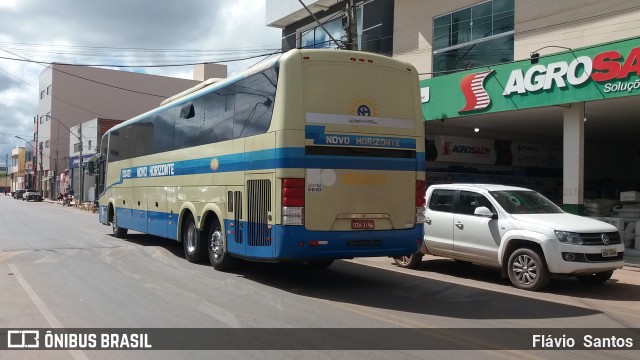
216, 244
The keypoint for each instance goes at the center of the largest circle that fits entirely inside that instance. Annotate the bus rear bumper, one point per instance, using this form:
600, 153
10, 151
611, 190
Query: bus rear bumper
297, 243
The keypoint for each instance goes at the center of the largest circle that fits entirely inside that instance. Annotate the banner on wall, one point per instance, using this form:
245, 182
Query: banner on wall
466, 150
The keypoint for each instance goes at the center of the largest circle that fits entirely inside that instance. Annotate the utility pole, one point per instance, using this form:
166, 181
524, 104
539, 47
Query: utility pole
350, 26
41, 171
6, 173
81, 166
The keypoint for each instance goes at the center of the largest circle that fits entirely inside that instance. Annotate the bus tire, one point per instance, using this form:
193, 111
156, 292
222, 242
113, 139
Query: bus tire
194, 247
219, 258
118, 232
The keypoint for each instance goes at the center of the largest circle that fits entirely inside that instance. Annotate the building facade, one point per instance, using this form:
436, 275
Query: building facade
84, 143
535, 93
373, 25
71, 95
18, 168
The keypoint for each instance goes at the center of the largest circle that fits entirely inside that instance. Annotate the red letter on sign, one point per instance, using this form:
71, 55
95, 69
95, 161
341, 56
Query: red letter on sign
606, 66
631, 65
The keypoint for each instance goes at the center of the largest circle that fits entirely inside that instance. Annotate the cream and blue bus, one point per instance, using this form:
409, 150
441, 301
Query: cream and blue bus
315, 156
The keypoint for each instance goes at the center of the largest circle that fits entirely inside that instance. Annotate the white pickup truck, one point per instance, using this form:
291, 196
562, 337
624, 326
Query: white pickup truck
518, 231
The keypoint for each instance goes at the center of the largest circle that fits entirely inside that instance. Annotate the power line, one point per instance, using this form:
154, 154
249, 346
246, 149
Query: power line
24, 59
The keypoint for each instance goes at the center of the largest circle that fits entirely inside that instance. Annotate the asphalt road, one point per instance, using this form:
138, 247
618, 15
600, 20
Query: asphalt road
60, 268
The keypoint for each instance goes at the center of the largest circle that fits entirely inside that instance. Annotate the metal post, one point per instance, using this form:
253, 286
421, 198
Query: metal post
81, 166
352, 30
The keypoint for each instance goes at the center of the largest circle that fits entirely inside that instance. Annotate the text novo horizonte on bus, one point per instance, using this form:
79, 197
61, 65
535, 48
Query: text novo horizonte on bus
150, 171
604, 67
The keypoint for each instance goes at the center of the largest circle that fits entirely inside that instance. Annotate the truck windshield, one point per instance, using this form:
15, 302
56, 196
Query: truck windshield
525, 202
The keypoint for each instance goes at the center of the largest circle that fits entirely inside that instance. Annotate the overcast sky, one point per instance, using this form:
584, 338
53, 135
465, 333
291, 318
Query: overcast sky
121, 32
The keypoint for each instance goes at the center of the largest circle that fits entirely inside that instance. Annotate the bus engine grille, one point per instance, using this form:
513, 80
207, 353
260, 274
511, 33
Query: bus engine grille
259, 207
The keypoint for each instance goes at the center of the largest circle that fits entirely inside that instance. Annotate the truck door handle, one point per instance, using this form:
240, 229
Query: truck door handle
427, 221
460, 225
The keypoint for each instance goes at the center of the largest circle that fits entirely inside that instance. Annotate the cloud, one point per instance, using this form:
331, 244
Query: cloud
119, 32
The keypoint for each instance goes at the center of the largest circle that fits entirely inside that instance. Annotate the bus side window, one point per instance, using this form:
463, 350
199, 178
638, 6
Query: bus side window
255, 97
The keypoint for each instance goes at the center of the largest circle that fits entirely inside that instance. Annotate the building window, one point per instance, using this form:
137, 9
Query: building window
48, 116
479, 35
41, 119
49, 90
88, 144
46, 144
76, 147
316, 38
42, 94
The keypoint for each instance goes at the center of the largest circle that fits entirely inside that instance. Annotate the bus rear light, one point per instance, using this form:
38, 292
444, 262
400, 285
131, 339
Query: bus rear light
292, 215
292, 220
293, 192
314, 243
292, 183
293, 201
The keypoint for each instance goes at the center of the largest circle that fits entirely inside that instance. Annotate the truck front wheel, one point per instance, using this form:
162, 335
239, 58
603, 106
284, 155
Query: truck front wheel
527, 270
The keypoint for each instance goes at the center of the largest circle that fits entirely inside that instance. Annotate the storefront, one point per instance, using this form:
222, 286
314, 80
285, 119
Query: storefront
565, 124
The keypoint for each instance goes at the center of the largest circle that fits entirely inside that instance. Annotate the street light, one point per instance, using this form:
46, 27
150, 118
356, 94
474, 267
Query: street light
35, 170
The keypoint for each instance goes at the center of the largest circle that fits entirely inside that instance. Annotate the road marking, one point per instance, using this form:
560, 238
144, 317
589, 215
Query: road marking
42, 307
6, 255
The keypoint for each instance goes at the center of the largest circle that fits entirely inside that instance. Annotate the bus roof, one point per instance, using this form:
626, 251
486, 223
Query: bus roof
211, 85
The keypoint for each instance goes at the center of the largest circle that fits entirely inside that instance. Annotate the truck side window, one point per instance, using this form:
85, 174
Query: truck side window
469, 201
442, 200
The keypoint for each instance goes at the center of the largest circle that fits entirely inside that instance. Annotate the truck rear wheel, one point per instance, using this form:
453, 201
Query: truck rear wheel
409, 262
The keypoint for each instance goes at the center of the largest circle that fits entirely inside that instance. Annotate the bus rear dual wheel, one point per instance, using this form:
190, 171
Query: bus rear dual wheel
209, 243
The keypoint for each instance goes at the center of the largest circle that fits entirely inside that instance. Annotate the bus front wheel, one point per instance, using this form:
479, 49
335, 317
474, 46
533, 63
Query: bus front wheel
117, 231
194, 247
219, 258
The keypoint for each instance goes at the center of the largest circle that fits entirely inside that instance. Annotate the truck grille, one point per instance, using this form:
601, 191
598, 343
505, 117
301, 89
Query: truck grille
258, 208
596, 238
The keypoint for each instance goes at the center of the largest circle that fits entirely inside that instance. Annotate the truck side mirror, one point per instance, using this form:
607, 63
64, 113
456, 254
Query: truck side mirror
484, 211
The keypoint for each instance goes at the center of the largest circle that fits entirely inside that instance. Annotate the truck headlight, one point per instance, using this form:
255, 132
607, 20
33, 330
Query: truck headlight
569, 237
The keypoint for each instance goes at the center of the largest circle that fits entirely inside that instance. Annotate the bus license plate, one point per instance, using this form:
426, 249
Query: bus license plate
362, 224
609, 252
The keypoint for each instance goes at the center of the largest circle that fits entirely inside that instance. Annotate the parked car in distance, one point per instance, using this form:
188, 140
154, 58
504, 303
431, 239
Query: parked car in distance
518, 231
18, 194
32, 194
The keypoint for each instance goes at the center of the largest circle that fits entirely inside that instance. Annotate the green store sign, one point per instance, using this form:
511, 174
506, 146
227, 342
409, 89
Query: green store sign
600, 72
